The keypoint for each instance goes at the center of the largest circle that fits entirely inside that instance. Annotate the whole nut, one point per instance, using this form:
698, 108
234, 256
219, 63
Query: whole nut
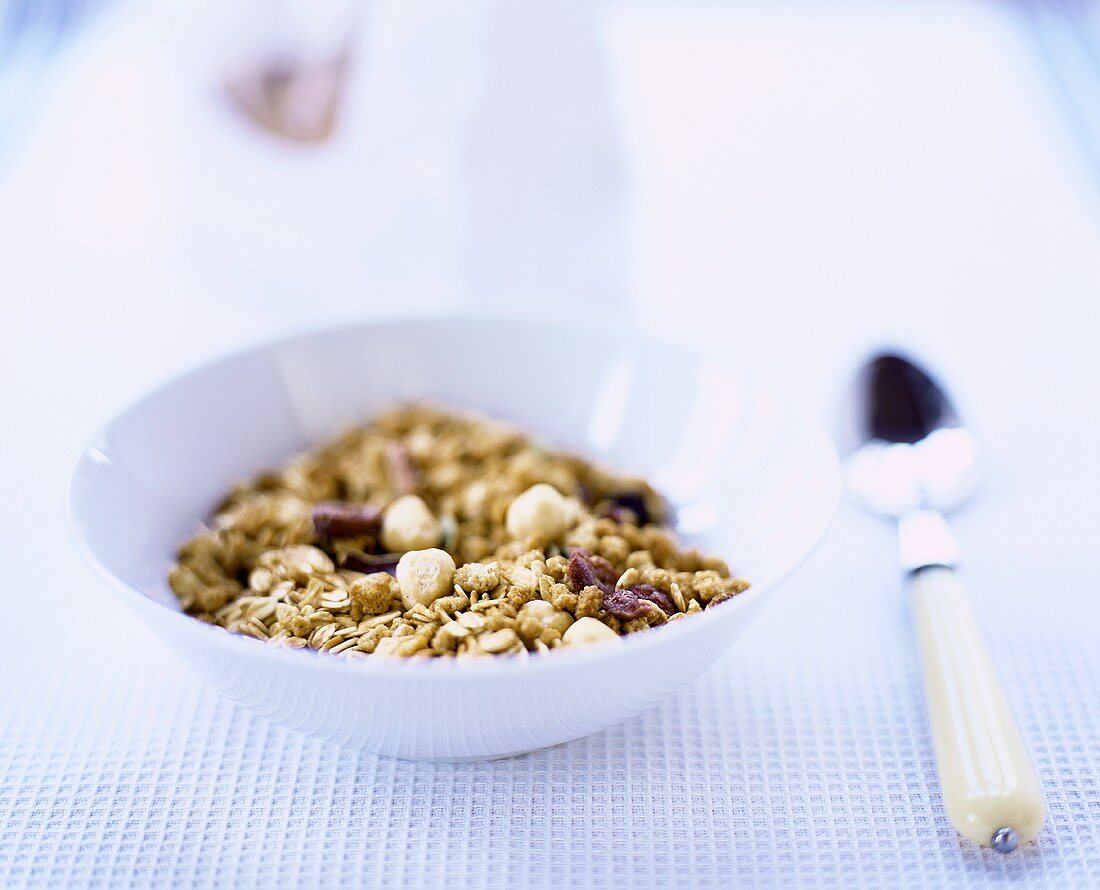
408, 524
588, 630
547, 615
541, 512
424, 576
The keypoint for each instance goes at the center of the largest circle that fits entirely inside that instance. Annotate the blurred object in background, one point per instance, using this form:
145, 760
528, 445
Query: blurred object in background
316, 157
287, 62
296, 100
423, 154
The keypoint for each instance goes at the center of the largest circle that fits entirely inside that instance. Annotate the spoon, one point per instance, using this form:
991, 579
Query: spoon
914, 462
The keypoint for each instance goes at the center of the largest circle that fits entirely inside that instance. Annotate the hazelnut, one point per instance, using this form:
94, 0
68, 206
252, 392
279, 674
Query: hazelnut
424, 576
588, 630
408, 524
540, 512
547, 615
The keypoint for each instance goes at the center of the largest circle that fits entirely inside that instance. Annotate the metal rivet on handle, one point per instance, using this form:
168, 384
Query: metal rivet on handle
1005, 840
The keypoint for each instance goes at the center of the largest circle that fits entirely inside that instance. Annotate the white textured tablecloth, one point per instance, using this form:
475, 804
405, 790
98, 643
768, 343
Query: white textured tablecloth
923, 193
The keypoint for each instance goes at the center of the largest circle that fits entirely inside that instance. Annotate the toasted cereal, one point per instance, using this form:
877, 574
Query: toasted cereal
548, 549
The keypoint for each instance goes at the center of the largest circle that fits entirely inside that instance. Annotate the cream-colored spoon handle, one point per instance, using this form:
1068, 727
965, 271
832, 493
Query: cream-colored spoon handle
986, 775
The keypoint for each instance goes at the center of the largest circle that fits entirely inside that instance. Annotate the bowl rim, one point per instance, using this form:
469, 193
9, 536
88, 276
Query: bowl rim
664, 636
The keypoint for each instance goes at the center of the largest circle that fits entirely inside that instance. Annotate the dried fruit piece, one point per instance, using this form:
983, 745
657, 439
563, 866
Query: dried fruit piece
299, 558
617, 505
370, 562
585, 570
633, 602
337, 519
656, 596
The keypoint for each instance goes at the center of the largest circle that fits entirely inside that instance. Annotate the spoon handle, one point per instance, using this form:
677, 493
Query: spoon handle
990, 789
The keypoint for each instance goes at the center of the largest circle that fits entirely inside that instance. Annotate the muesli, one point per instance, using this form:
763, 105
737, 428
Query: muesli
430, 533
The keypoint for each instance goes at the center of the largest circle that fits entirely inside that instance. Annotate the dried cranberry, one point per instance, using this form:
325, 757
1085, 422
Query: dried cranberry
385, 562
586, 570
621, 515
617, 504
623, 604
658, 597
335, 519
634, 601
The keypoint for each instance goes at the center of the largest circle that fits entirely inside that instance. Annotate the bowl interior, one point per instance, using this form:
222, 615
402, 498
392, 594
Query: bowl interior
750, 481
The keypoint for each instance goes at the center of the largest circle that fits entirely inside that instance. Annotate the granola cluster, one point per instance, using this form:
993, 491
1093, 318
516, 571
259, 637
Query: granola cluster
429, 533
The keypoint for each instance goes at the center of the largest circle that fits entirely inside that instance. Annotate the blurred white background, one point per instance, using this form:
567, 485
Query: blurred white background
786, 184
744, 175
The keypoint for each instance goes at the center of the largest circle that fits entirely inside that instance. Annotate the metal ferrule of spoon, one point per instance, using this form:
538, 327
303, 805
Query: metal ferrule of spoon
914, 462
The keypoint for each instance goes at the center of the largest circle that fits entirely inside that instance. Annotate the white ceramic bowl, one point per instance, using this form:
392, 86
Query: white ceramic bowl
751, 481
